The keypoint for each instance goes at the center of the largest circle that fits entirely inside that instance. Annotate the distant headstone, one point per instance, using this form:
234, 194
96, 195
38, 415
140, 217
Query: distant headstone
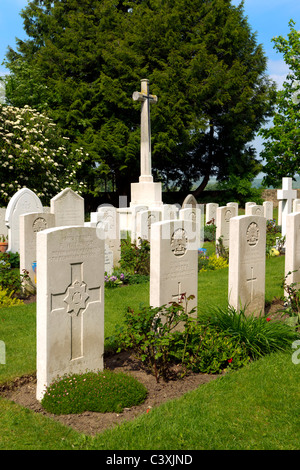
173, 263
70, 303
234, 204
189, 201
292, 249
224, 214
30, 225
68, 208
286, 195
134, 217
145, 219
3, 227
268, 210
247, 205
107, 220
247, 257
296, 205
256, 209
22, 202
211, 212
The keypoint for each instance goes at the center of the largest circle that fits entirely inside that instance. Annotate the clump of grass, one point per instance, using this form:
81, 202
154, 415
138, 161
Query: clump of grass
102, 392
259, 334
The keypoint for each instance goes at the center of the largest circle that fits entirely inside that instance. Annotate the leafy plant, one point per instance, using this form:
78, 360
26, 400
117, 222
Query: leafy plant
292, 308
206, 350
7, 300
135, 259
210, 231
102, 392
258, 334
12, 258
3, 238
212, 262
221, 250
149, 332
10, 278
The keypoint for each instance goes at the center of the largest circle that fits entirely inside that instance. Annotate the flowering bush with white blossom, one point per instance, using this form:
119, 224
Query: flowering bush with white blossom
33, 154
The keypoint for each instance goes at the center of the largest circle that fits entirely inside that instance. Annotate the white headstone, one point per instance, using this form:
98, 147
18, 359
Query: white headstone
30, 225
70, 303
169, 212
107, 219
292, 249
22, 202
256, 209
173, 263
296, 205
134, 217
247, 258
247, 205
68, 208
268, 210
286, 195
224, 214
108, 260
234, 204
145, 219
211, 212
3, 227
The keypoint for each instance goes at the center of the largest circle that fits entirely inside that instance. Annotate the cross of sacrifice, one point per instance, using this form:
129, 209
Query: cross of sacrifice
146, 99
286, 195
74, 301
252, 279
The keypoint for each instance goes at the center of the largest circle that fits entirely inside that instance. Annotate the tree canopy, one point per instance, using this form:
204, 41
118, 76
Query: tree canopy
282, 139
84, 59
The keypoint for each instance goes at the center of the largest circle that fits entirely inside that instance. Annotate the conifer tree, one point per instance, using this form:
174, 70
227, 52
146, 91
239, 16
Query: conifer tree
84, 59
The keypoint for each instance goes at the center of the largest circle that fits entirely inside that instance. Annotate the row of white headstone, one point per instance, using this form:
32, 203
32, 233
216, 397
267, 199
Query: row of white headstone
70, 284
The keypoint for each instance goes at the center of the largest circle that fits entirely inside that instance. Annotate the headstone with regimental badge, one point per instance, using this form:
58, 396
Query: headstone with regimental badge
247, 258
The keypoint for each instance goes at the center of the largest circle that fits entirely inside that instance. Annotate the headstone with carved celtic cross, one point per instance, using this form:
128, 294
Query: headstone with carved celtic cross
173, 263
145, 191
70, 303
246, 277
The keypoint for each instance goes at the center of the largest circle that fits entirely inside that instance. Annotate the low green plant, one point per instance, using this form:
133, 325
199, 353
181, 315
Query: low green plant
212, 262
112, 281
129, 278
7, 300
201, 348
221, 250
274, 240
102, 392
258, 334
210, 231
10, 278
149, 332
135, 258
292, 308
12, 258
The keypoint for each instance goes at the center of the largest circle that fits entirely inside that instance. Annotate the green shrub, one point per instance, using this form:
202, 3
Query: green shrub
12, 258
203, 349
102, 392
212, 262
210, 232
149, 332
6, 299
260, 335
10, 278
135, 259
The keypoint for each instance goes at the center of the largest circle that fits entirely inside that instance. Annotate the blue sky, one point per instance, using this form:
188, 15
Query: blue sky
268, 18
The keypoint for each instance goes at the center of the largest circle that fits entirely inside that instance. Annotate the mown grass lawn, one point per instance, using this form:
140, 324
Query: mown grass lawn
256, 407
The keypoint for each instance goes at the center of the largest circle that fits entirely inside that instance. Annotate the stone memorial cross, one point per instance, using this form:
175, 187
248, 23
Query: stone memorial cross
286, 195
146, 99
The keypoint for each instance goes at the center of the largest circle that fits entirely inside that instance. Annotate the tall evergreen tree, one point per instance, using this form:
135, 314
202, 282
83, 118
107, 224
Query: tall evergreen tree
84, 59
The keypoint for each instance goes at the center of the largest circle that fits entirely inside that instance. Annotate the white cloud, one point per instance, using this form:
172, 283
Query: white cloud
278, 70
